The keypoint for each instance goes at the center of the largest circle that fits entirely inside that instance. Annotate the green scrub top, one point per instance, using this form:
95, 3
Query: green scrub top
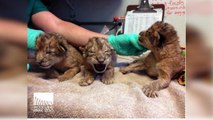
34, 6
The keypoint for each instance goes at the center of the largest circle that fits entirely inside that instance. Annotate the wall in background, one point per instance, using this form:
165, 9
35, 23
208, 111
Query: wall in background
106, 10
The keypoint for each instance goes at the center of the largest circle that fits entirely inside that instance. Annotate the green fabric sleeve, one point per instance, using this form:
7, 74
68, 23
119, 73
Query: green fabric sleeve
31, 37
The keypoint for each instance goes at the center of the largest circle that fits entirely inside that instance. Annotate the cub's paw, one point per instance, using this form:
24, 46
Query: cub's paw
62, 78
150, 90
107, 81
123, 70
84, 82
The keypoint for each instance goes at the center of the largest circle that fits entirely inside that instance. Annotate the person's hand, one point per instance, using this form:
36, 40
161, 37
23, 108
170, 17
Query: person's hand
126, 44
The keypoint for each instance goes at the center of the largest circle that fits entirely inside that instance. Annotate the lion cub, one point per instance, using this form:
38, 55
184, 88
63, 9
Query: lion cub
165, 59
98, 56
61, 60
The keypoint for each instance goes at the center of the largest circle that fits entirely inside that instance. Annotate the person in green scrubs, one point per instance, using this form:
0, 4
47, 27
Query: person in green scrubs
38, 14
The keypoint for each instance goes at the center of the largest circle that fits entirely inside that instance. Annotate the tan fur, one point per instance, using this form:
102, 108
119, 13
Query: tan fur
97, 52
59, 58
165, 59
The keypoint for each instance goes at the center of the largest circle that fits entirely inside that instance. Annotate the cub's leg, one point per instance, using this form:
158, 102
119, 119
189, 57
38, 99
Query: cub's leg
135, 66
52, 73
88, 78
70, 73
163, 81
108, 76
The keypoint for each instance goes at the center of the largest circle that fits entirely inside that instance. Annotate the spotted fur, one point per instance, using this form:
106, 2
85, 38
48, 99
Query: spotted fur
165, 59
61, 60
98, 56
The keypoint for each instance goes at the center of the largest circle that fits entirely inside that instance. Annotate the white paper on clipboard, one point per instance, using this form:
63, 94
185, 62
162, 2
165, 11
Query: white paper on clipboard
137, 22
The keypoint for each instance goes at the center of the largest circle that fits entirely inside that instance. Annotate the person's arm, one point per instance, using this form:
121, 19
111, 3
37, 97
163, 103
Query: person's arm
13, 31
76, 35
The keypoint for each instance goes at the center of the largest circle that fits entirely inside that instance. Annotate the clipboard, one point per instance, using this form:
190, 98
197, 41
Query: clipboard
145, 7
138, 19
155, 6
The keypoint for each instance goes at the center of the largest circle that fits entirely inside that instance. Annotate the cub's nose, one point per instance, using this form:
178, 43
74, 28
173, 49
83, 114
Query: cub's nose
39, 61
100, 58
101, 61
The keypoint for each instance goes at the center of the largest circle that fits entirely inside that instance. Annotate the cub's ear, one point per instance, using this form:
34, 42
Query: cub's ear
61, 43
157, 39
161, 39
62, 48
39, 42
82, 49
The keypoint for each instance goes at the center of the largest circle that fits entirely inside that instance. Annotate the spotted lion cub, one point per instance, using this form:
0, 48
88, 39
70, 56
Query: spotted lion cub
60, 59
164, 61
98, 58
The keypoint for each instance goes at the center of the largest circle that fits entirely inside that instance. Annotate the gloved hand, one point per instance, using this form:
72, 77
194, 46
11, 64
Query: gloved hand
31, 37
31, 40
126, 44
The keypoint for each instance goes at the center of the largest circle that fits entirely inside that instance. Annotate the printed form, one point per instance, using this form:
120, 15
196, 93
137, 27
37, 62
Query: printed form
137, 22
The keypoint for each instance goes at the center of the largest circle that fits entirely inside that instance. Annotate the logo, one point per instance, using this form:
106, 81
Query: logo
43, 102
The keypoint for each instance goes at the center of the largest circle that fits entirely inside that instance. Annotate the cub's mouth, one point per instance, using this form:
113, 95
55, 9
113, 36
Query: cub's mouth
99, 68
45, 66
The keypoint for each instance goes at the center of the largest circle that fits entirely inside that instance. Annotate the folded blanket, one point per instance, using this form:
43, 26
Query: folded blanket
123, 99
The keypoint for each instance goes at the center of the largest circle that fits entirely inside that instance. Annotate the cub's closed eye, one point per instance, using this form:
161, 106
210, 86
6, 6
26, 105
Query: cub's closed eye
108, 52
91, 53
51, 52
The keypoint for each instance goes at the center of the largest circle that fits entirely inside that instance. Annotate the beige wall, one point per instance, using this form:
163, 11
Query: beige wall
105, 10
